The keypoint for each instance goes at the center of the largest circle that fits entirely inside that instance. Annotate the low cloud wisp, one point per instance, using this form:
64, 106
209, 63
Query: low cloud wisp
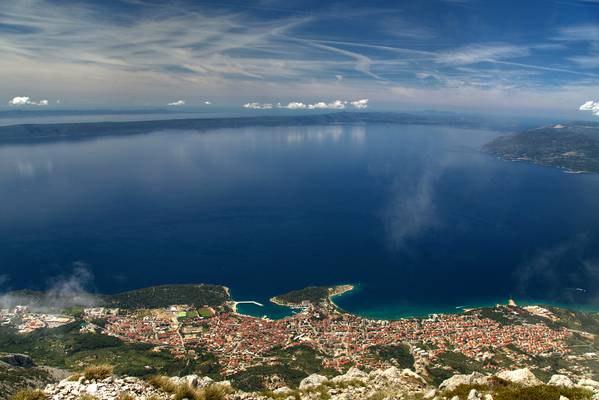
62, 291
563, 272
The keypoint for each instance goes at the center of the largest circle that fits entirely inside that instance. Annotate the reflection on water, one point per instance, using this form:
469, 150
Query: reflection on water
415, 215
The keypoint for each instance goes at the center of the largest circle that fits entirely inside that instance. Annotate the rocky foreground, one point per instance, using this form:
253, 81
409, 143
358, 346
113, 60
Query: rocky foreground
391, 383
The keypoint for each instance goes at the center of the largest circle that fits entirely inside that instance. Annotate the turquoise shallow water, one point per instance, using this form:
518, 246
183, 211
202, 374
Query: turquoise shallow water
417, 216
397, 310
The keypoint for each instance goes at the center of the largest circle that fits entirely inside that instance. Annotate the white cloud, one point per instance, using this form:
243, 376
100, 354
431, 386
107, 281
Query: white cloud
294, 105
19, 101
207, 102
360, 104
177, 103
26, 101
592, 106
258, 106
335, 105
320, 105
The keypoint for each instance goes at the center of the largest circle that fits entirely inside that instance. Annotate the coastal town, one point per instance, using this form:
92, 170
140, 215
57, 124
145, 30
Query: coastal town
26, 321
241, 341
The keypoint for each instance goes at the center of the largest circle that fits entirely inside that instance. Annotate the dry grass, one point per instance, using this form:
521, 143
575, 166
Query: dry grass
29, 394
163, 383
125, 396
381, 395
98, 372
213, 392
88, 397
74, 377
185, 391
502, 390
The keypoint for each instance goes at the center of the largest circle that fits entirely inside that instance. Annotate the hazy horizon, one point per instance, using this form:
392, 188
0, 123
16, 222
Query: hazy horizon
453, 55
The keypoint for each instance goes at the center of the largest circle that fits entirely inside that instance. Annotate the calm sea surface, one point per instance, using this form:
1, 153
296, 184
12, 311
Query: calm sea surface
415, 216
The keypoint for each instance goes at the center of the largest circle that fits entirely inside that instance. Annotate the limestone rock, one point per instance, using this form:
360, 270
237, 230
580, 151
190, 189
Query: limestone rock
226, 385
589, 383
522, 377
17, 360
413, 375
475, 378
561, 381
392, 374
313, 381
204, 381
282, 391
352, 374
191, 380
474, 395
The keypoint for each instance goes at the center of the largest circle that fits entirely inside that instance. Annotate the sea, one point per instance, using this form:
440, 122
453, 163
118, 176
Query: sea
417, 218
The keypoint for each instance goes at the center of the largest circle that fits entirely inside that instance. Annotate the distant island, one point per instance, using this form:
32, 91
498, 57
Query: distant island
89, 130
571, 146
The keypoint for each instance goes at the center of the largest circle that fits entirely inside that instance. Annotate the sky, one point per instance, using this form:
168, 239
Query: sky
512, 56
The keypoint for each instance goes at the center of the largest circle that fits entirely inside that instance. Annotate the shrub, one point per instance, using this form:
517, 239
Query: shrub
74, 377
495, 383
184, 391
29, 394
345, 384
462, 391
543, 392
97, 372
162, 383
503, 390
213, 392
293, 394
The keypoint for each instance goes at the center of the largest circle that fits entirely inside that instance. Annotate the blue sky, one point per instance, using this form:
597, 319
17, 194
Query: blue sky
537, 57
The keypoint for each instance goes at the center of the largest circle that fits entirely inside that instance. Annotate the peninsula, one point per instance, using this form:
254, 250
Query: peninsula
312, 295
571, 146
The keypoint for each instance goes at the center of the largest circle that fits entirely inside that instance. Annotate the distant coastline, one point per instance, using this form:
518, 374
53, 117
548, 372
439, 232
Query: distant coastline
220, 296
24, 133
572, 147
